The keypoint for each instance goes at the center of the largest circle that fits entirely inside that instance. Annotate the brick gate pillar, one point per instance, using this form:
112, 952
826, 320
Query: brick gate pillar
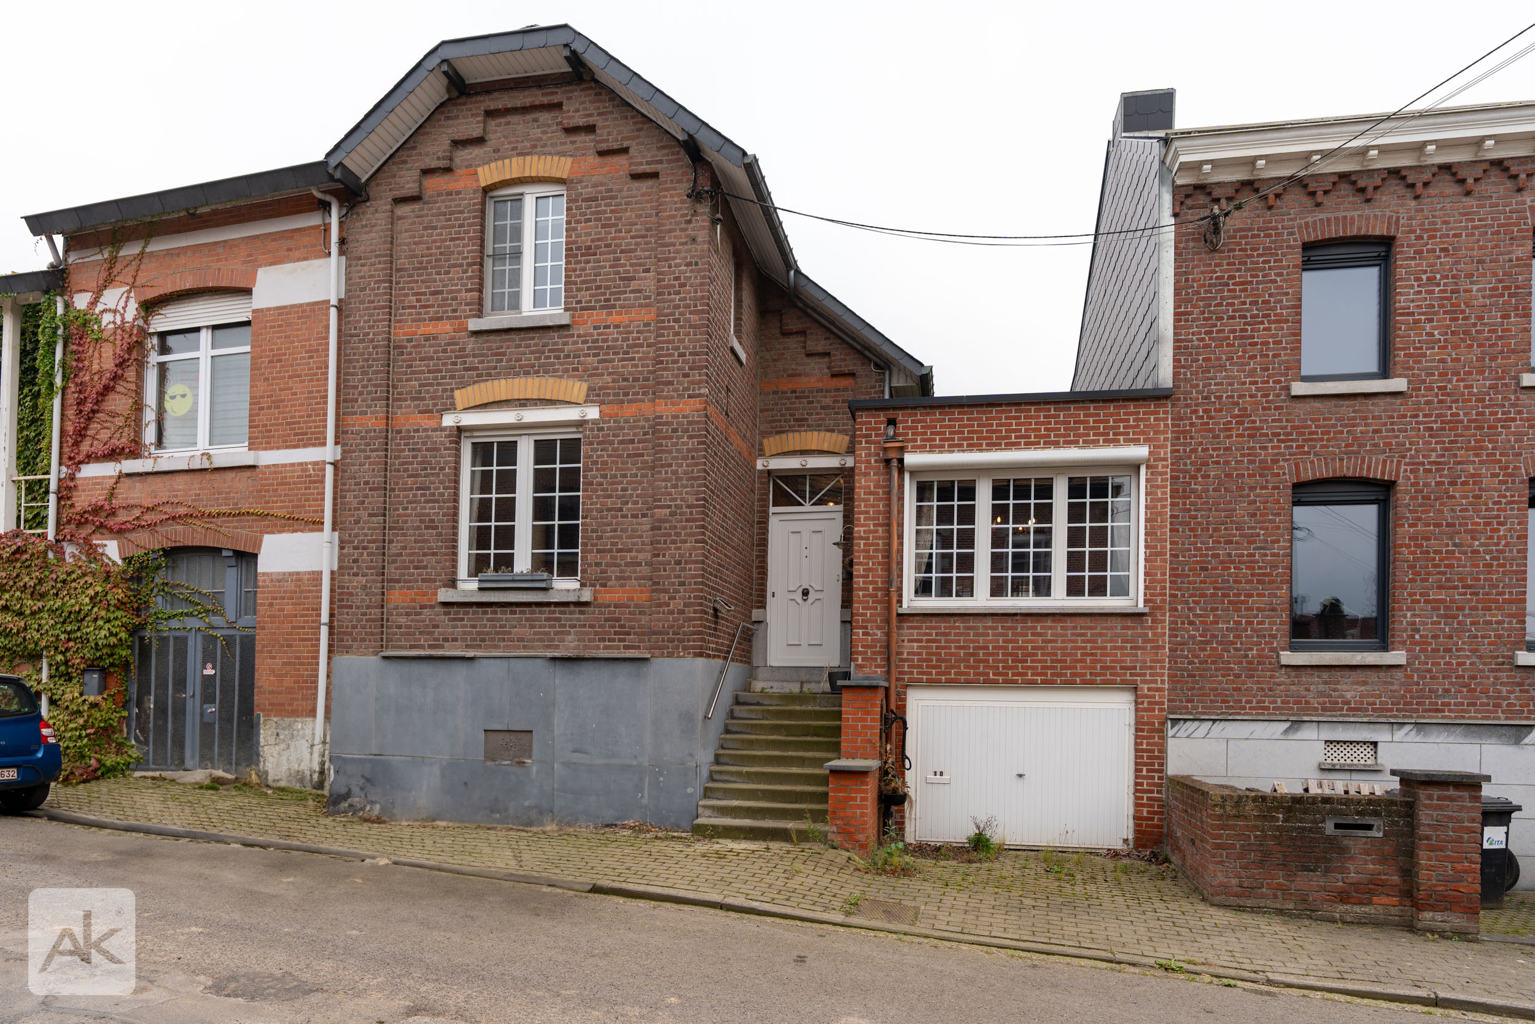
1447, 849
853, 801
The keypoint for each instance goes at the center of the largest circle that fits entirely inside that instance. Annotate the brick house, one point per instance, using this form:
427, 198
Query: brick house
590, 397
1330, 379
578, 354
211, 448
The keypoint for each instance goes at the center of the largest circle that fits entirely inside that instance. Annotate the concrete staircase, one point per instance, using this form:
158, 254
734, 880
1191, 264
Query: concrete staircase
767, 780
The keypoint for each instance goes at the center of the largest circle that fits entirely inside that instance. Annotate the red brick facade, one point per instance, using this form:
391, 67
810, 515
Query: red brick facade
1054, 648
223, 250
1453, 445
670, 484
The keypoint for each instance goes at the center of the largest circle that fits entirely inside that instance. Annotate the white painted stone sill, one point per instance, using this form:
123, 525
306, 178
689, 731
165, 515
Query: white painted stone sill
1320, 388
1524, 659
182, 462
1344, 659
519, 321
449, 595
1024, 609
1527, 380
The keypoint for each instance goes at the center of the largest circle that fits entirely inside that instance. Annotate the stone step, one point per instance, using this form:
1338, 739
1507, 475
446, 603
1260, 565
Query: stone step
741, 828
775, 759
815, 777
809, 700
830, 745
786, 713
755, 791
760, 810
766, 727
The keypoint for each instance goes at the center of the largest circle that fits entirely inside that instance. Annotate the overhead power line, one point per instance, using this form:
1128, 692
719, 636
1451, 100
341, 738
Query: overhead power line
1089, 237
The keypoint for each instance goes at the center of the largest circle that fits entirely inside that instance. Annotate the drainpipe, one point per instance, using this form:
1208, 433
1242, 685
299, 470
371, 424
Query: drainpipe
328, 537
53, 446
894, 450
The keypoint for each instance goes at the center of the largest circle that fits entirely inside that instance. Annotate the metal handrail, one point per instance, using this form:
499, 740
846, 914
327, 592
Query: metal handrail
726, 670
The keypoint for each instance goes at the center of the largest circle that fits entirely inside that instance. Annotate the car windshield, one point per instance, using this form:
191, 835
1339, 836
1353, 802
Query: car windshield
16, 699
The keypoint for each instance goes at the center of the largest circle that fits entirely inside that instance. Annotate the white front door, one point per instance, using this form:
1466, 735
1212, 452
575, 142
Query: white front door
805, 588
1052, 764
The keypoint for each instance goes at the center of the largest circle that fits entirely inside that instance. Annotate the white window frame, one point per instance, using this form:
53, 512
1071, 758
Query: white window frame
204, 359
523, 536
983, 470
530, 192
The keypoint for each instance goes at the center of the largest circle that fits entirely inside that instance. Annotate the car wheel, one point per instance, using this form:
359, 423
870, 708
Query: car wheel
1511, 878
29, 799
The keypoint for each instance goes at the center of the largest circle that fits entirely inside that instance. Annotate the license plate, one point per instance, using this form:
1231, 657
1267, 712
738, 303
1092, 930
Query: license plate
7, 774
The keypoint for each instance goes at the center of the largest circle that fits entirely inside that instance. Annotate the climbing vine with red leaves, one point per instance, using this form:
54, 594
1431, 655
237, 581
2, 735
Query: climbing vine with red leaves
64, 598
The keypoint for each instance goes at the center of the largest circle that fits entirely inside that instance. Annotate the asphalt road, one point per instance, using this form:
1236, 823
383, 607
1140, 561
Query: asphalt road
234, 934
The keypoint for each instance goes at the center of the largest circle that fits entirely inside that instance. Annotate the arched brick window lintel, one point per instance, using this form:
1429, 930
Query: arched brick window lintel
186, 282
1339, 226
187, 537
1345, 467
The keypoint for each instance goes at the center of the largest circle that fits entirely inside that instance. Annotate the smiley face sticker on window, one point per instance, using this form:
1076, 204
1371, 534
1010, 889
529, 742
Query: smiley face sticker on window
178, 400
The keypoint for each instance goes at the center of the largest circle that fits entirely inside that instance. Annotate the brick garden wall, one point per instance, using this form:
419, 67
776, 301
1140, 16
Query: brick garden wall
1455, 445
1051, 649
1269, 851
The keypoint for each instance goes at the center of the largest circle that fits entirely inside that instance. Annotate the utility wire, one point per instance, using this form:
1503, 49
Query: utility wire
1090, 237
1314, 165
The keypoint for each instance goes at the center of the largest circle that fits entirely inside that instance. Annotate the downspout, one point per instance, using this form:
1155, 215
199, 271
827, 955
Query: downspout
894, 451
55, 438
328, 537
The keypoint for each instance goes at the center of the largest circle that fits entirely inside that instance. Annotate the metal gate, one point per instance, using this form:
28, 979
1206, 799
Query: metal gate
195, 682
1051, 764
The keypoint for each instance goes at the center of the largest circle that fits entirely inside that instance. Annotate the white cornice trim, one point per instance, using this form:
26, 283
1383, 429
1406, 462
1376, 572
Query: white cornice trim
476, 418
1287, 147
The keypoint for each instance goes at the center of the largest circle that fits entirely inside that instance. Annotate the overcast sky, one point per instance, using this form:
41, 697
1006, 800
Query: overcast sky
966, 117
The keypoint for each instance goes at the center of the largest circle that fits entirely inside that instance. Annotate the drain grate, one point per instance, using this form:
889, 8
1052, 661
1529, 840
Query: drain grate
890, 913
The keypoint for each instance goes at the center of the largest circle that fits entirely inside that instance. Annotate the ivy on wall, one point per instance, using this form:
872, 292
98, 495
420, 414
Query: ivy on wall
65, 598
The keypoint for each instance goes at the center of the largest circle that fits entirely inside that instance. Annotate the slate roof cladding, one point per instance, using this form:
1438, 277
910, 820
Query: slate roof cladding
176, 200
1117, 342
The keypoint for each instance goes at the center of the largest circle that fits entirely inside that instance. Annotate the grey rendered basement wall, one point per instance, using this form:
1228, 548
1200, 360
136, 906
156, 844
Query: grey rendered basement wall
618, 739
1259, 752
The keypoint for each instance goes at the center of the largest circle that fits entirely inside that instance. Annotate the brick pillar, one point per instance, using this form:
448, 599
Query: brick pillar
1447, 849
853, 801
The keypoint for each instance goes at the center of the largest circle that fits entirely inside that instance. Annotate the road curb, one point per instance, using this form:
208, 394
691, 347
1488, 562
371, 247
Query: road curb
657, 894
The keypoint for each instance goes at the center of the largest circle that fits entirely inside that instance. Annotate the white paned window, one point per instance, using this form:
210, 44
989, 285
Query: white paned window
521, 506
525, 250
199, 388
1020, 537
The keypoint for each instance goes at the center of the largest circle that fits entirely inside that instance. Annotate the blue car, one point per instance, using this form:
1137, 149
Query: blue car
29, 754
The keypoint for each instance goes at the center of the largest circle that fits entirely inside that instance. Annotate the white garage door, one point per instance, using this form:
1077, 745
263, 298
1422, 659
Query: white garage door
1051, 763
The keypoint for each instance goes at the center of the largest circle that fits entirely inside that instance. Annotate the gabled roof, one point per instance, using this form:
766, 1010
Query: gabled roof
556, 49
436, 78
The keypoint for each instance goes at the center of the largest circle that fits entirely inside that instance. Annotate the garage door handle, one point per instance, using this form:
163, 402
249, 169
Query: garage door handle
1020, 775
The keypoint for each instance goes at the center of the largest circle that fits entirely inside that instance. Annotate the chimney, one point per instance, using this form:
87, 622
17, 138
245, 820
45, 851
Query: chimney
1149, 111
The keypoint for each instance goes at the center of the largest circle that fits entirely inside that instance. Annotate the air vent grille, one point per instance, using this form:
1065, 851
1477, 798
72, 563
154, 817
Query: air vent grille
1361, 752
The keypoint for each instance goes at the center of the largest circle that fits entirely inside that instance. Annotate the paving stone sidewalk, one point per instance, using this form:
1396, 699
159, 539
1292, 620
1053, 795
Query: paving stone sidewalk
1098, 903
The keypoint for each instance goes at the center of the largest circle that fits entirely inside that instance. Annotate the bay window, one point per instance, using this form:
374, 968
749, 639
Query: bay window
1023, 536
